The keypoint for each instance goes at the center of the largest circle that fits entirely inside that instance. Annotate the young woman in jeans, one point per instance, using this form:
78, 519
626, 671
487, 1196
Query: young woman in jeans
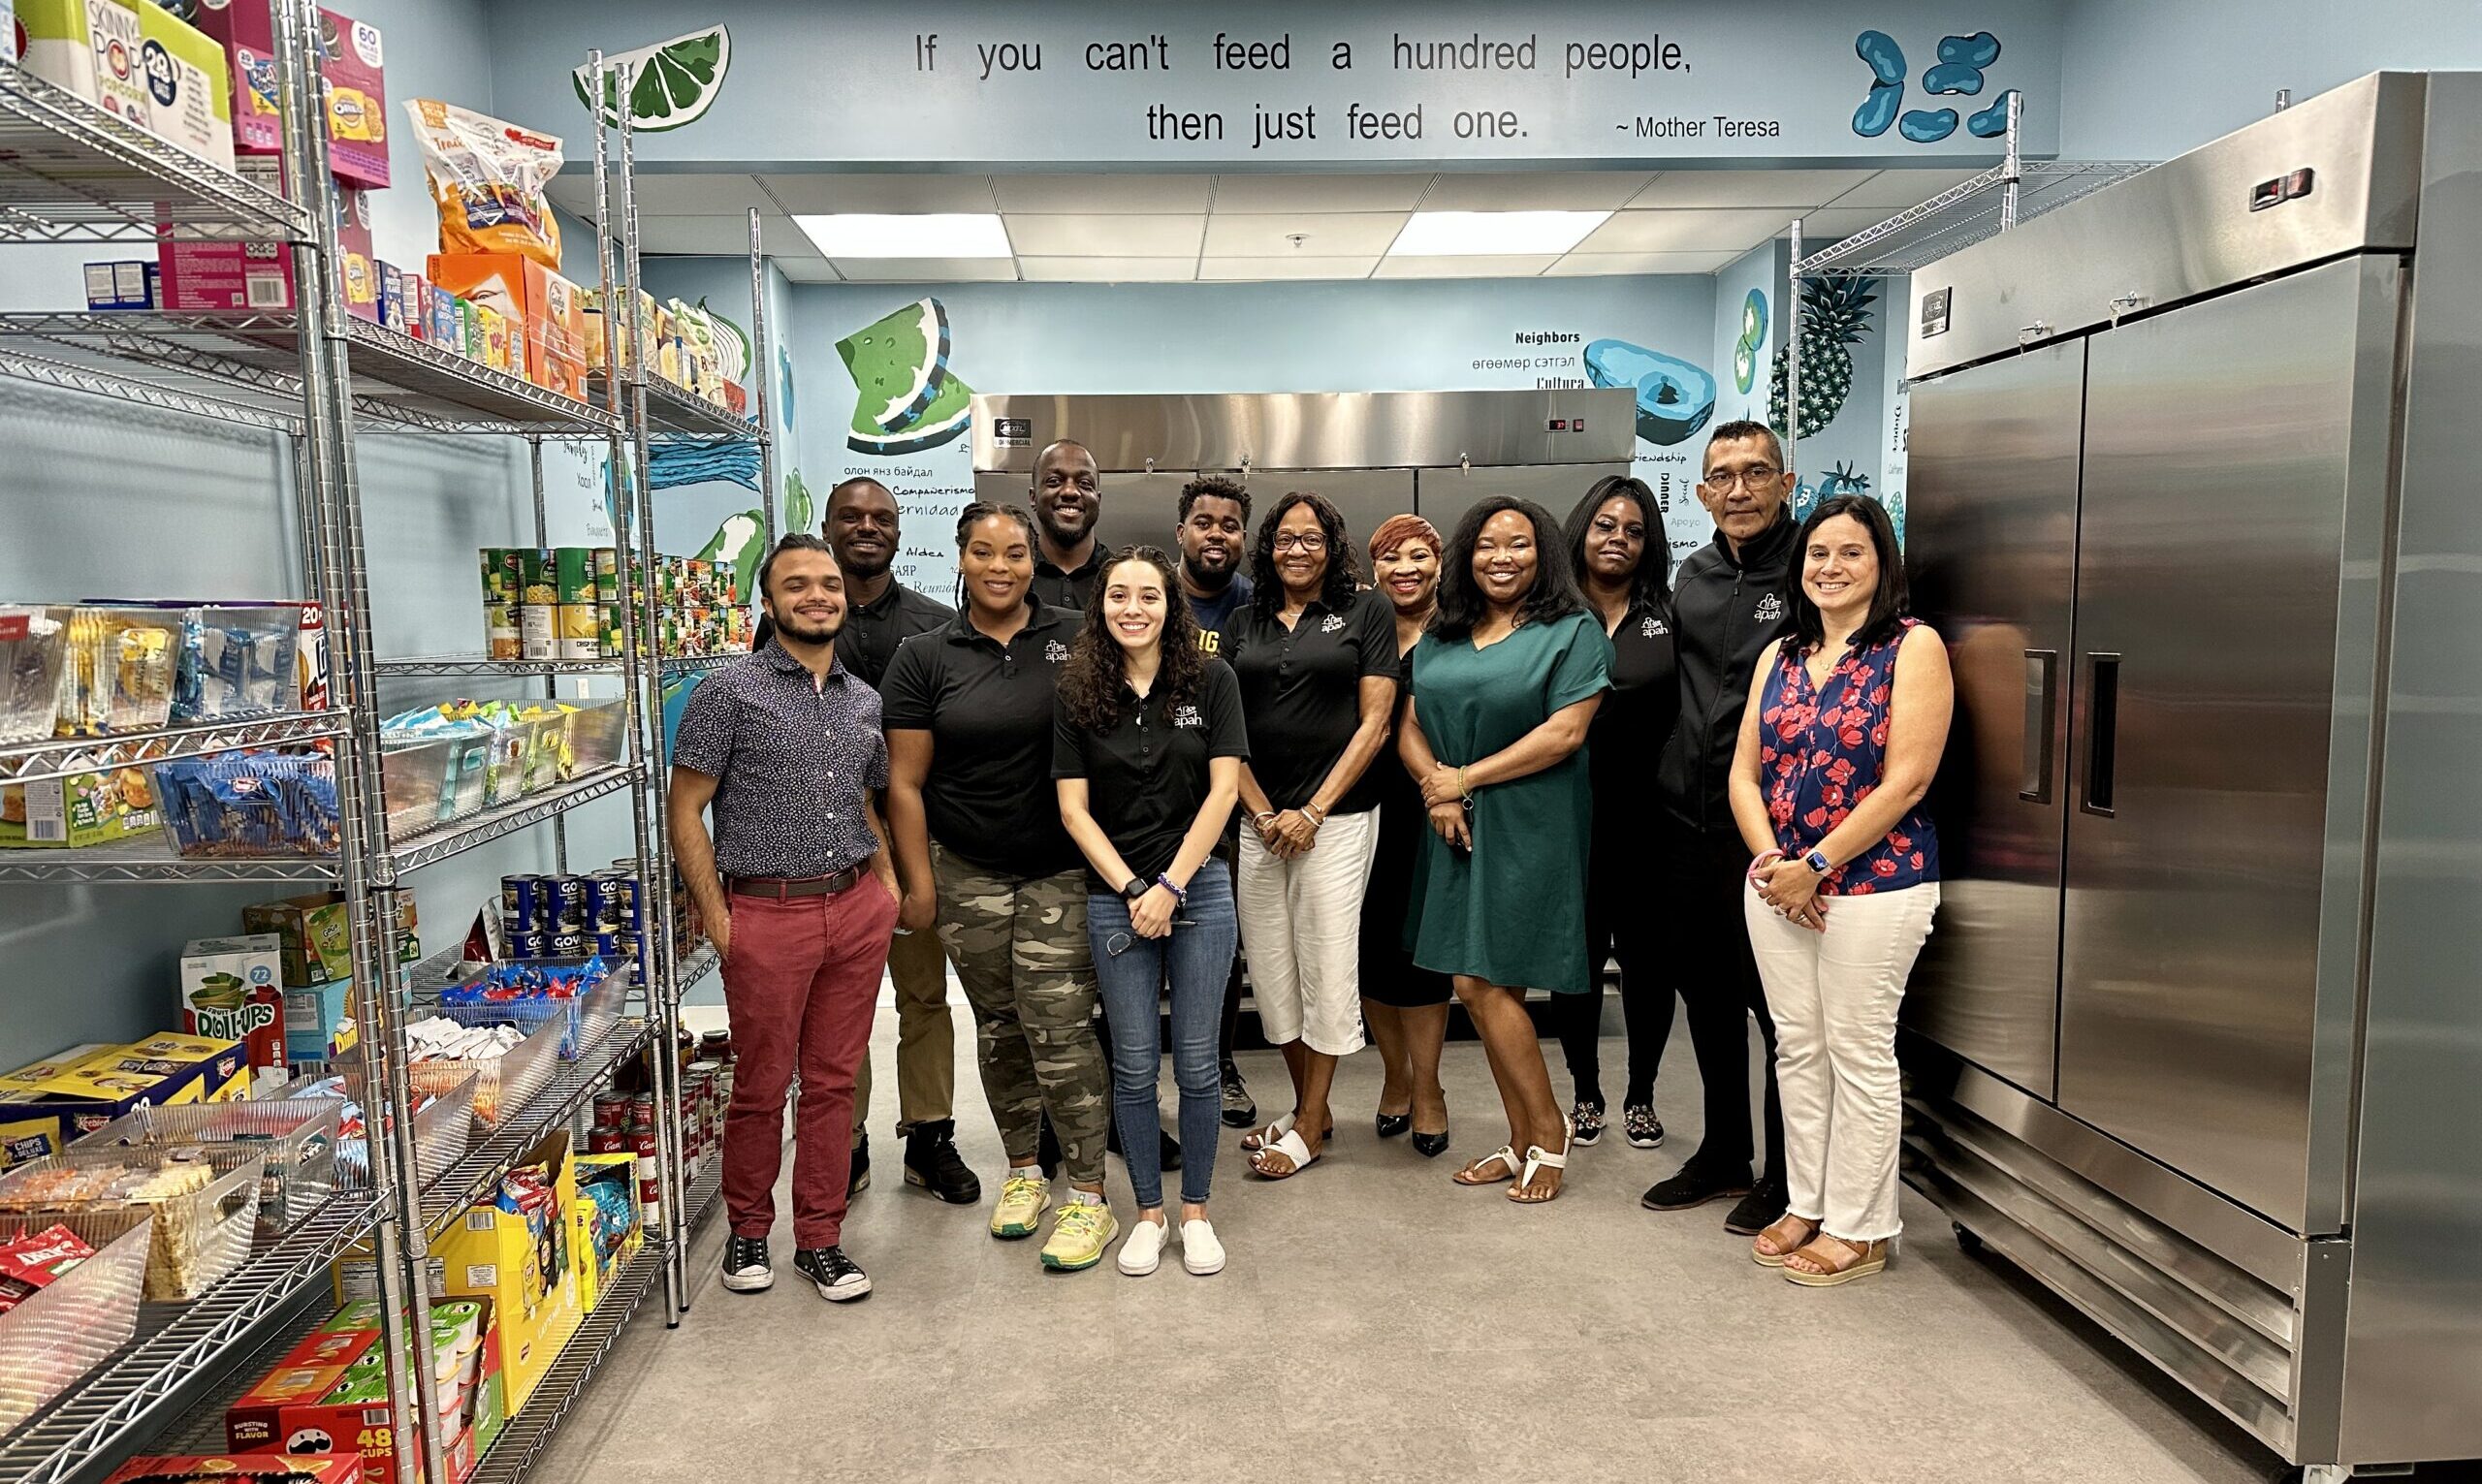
1847, 718
1147, 748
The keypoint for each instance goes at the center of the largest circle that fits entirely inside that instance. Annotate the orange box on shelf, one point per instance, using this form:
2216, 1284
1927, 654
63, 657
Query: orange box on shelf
543, 308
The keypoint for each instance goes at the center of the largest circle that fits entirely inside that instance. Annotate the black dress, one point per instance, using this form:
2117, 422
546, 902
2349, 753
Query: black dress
1388, 976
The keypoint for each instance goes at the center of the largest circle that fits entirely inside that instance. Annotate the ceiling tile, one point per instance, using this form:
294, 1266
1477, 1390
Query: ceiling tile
1592, 265
1068, 195
1231, 269
1747, 187
1109, 269
1275, 195
806, 193
1527, 267
696, 195
1587, 190
927, 270
1686, 231
1834, 222
1103, 236
726, 236
1328, 235
1892, 190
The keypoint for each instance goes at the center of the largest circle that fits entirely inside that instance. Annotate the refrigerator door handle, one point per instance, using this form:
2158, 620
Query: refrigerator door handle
2041, 714
2102, 732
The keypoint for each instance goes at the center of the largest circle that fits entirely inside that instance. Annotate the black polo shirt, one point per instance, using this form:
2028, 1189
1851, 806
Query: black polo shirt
989, 712
1146, 777
873, 630
1302, 691
1215, 616
1069, 589
1636, 715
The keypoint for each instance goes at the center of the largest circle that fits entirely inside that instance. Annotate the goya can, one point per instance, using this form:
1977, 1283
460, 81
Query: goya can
569, 904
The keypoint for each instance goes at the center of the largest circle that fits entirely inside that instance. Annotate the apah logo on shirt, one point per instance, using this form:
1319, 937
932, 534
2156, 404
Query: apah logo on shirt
1770, 608
1187, 716
1331, 623
1652, 627
1055, 651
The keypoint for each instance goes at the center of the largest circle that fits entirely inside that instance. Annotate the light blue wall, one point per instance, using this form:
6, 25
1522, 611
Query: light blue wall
105, 498
2142, 79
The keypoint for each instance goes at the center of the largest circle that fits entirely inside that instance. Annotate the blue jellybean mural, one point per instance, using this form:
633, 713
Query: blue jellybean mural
1959, 72
1923, 126
1992, 122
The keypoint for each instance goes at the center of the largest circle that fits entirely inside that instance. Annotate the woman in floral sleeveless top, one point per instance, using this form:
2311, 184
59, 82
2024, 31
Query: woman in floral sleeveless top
1847, 718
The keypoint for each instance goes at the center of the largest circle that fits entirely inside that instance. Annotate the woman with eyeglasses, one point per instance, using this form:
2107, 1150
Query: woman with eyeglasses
1617, 549
1505, 686
1316, 658
1147, 751
1404, 1005
969, 716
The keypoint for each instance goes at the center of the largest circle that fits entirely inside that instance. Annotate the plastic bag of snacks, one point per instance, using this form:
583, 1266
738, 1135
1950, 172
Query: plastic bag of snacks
123, 665
488, 177
250, 803
33, 643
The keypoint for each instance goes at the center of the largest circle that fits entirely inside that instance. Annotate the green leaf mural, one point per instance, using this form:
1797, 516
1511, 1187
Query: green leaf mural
798, 509
677, 80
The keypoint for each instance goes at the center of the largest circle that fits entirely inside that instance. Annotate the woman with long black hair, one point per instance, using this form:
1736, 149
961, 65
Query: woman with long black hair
1505, 688
1147, 751
1617, 549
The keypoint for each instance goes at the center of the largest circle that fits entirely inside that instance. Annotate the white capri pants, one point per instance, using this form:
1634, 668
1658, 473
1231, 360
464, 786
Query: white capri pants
1301, 927
1834, 995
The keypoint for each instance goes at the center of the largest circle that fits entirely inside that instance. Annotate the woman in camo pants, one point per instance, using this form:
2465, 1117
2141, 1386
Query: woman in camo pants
969, 717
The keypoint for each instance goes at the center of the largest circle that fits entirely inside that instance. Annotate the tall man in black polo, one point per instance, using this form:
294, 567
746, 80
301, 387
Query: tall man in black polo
1213, 537
881, 613
1067, 496
1730, 601
799, 890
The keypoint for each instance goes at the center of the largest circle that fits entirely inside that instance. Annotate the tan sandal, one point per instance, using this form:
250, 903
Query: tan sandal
1787, 1234
1862, 1260
1505, 1156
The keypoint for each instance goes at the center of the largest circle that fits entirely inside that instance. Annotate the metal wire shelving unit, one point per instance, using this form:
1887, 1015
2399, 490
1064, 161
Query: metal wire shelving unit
315, 377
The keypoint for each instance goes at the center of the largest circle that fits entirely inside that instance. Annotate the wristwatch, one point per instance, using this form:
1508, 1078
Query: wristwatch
1817, 860
1133, 889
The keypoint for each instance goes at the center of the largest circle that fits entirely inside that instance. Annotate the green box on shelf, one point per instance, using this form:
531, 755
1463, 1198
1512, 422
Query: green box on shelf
317, 932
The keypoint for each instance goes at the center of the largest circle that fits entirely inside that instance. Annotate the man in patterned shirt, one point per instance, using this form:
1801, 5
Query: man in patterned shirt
799, 891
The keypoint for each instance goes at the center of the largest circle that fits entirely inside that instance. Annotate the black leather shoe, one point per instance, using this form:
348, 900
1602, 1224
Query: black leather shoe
1431, 1145
860, 1180
932, 1163
1758, 1211
1694, 1186
1390, 1125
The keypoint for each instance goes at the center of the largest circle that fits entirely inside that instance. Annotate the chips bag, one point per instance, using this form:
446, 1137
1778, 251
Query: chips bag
488, 177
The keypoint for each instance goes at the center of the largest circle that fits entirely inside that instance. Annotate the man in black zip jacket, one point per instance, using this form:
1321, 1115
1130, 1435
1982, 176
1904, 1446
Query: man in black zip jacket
1729, 600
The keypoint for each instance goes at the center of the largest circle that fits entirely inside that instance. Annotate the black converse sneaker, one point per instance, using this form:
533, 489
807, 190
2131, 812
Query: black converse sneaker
746, 1268
839, 1279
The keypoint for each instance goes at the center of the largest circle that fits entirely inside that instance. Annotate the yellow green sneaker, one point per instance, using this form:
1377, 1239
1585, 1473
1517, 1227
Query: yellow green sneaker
1079, 1238
1023, 1199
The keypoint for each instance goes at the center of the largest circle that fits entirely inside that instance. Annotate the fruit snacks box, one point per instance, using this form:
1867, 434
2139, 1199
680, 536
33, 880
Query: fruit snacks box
245, 1468
354, 62
49, 1105
316, 934
138, 62
232, 988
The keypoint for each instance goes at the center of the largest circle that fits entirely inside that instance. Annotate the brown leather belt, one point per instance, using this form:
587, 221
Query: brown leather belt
786, 888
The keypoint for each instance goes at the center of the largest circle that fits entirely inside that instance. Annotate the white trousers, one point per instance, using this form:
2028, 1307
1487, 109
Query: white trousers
1301, 927
1835, 997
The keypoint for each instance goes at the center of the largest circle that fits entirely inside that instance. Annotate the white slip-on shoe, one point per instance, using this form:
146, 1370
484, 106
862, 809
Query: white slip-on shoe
1200, 1252
1142, 1249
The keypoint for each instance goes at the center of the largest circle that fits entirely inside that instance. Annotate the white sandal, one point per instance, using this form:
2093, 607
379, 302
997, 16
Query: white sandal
1506, 1154
1293, 1146
1536, 1158
1266, 1135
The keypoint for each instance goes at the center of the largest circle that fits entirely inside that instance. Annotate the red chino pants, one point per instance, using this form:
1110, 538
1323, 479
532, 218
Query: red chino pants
800, 983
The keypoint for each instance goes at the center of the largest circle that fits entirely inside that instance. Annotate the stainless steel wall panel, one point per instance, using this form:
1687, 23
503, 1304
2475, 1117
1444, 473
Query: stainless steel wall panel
1443, 497
2411, 1387
2186, 228
2221, 461
1991, 551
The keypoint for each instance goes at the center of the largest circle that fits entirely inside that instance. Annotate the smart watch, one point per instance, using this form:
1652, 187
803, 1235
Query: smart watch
1133, 889
1817, 860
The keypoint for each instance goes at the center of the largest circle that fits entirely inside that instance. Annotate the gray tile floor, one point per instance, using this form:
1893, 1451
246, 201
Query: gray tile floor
1380, 1323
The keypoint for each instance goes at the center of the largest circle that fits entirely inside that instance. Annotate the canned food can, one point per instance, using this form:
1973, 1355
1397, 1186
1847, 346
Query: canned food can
533, 943
604, 1139
512, 927
501, 583
618, 896
568, 943
642, 1111
603, 900
514, 895
607, 574
537, 576
501, 636
617, 947
613, 1109
535, 632
570, 903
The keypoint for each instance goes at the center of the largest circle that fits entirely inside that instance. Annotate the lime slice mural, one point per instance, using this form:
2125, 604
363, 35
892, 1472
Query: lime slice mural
907, 399
737, 541
732, 343
677, 80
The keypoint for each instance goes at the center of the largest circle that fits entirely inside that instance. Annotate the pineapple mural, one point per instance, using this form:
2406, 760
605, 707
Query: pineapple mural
1835, 313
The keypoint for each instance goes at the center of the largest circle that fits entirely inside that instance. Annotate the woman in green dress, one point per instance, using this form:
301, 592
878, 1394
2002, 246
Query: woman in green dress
1503, 688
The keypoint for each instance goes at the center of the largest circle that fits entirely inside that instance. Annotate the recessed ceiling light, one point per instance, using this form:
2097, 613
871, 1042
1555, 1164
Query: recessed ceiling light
933, 234
1487, 233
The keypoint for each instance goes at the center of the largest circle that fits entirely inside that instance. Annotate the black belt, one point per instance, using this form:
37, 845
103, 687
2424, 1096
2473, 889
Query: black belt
786, 888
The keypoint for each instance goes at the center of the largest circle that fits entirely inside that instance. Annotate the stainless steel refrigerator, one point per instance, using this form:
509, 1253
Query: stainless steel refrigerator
2197, 1040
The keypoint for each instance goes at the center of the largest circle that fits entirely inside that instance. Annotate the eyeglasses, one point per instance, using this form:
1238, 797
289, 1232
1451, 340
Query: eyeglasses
1754, 478
1307, 540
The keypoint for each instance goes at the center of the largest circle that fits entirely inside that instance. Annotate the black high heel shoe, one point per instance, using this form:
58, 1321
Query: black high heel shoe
1390, 1125
1431, 1145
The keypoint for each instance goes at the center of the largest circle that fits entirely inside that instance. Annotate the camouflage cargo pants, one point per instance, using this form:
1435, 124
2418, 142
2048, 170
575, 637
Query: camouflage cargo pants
1021, 951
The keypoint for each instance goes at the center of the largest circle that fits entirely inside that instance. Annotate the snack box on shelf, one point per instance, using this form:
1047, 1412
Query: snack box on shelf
297, 1136
47, 1106
127, 284
319, 1023
258, 276
73, 1321
243, 1469
353, 63
315, 932
544, 312
522, 1262
607, 1225
230, 987
81, 809
329, 1391
139, 62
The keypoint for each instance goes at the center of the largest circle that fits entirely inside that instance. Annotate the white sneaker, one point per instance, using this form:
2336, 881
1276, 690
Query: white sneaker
1200, 1252
1142, 1249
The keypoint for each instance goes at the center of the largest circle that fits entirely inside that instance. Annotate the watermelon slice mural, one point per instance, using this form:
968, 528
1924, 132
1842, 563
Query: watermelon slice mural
907, 398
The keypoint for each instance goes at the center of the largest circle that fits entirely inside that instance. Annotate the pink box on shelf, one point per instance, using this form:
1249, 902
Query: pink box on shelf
358, 95
258, 276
